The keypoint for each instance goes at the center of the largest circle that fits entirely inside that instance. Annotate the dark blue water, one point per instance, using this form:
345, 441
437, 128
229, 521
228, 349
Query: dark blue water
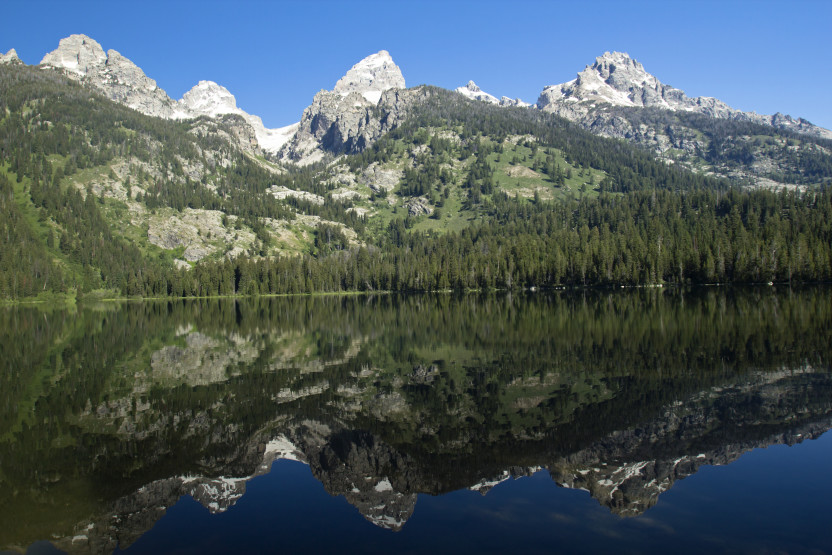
676, 421
771, 500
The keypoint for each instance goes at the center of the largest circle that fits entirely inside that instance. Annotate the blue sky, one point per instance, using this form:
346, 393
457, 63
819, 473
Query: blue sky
274, 56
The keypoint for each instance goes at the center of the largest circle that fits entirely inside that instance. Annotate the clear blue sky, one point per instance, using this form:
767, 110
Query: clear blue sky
274, 56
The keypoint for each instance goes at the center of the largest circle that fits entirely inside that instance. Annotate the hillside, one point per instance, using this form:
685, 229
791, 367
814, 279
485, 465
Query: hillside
423, 189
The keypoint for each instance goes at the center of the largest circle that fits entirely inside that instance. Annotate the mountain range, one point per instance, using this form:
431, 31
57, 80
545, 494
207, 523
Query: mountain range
613, 80
377, 166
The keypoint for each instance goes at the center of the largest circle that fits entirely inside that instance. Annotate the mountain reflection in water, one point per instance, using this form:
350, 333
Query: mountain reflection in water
109, 415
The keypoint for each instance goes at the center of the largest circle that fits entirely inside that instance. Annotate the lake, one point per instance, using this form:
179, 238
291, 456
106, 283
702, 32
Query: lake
660, 420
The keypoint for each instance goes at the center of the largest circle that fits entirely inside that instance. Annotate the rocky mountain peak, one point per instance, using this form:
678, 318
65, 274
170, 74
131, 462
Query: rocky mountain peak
210, 99
472, 91
111, 73
616, 59
371, 76
10, 57
623, 74
619, 80
76, 53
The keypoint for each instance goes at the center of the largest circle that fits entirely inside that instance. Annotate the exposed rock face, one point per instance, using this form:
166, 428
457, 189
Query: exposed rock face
615, 79
78, 54
122, 81
419, 206
10, 57
472, 91
513, 102
365, 104
113, 74
370, 77
208, 98
380, 180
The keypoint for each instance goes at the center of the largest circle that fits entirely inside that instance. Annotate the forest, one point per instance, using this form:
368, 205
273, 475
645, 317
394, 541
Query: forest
645, 223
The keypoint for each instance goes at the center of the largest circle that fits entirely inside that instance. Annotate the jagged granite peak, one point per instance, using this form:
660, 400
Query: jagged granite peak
10, 57
616, 79
513, 102
344, 119
117, 77
472, 91
371, 76
77, 54
84, 59
210, 99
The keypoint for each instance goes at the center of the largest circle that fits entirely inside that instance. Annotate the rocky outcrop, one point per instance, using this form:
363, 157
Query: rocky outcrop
513, 102
364, 104
209, 99
370, 77
419, 206
379, 179
472, 91
122, 81
118, 78
615, 79
10, 57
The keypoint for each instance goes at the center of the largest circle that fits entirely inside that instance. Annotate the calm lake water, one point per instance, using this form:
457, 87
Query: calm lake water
631, 421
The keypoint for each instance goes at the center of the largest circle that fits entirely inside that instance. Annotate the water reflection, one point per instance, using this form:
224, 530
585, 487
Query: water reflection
109, 415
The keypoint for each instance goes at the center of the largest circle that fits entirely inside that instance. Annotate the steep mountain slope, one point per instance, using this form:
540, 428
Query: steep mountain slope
472, 91
165, 192
209, 99
82, 58
616, 97
364, 104
382, 187
615, 79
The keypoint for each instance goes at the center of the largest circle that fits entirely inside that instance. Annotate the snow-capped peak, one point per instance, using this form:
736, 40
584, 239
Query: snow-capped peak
371, 76
472, 91
210, 99
615, 78
471, 86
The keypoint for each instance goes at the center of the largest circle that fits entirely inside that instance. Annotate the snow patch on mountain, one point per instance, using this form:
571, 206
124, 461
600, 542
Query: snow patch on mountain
472, 91
210, 99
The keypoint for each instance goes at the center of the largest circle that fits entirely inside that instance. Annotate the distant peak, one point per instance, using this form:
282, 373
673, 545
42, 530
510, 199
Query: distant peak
472, 91
209, 86
210, 98
611, 61
77, 53
371, 76
378, 58
614, 55
9, 57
